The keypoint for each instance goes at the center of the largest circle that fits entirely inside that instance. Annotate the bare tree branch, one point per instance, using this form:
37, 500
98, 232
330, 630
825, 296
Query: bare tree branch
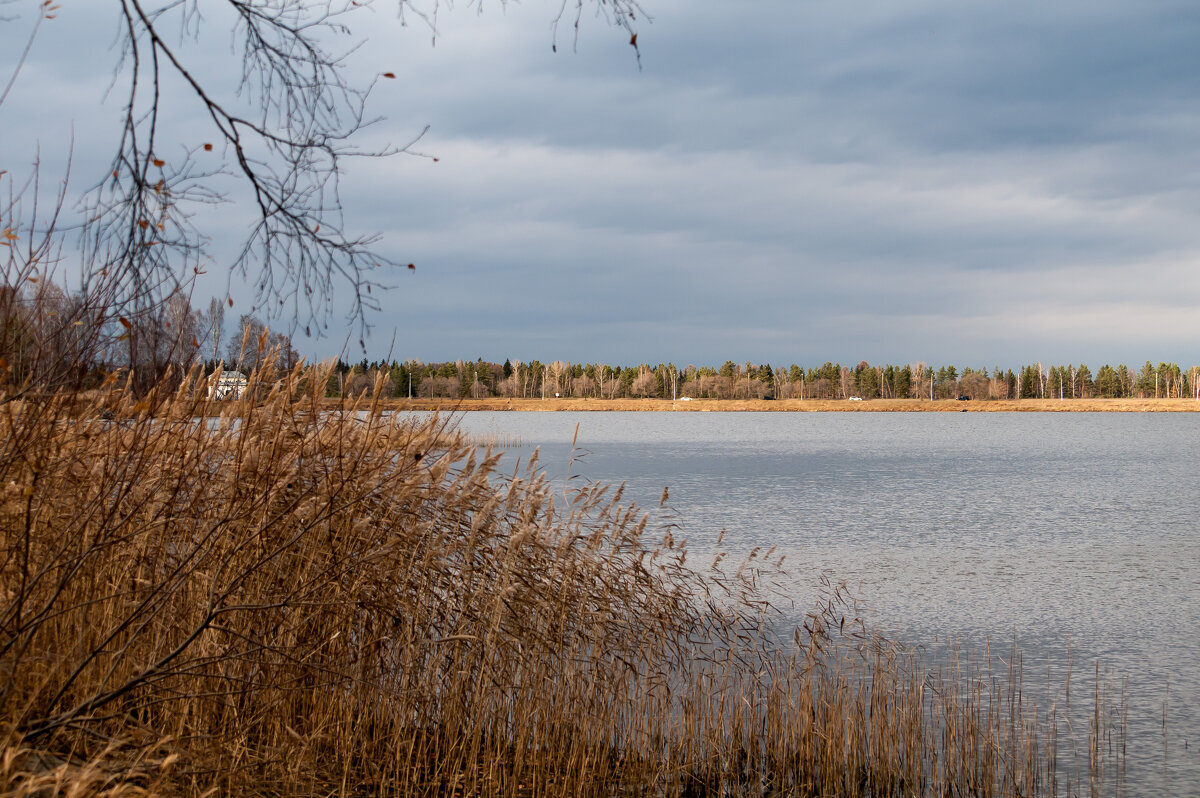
274, 142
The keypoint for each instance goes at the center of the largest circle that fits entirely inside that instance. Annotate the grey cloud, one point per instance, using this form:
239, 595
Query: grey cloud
983, 182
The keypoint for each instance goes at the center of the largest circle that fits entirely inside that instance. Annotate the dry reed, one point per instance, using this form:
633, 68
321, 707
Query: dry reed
275, 597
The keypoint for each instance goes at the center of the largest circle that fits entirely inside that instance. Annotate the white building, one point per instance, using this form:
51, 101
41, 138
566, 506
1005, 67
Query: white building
227, 385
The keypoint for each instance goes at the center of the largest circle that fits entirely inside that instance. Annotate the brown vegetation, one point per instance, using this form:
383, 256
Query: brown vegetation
1130, 405
283, 598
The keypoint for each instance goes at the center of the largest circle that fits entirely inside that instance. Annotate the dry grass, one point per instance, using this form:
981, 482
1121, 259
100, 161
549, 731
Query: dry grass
809, 405
284, 598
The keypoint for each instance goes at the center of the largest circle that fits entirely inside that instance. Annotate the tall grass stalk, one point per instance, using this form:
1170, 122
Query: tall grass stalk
271, 597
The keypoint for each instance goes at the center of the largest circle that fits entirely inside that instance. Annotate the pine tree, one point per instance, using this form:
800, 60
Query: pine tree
1029, 383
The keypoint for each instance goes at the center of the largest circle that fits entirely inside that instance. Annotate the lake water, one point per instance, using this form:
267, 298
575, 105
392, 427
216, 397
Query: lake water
1071, 530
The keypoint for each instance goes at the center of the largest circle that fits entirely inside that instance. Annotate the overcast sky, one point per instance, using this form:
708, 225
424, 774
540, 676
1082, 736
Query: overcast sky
978, 183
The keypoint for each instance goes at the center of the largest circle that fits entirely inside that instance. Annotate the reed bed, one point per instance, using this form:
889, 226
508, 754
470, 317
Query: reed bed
277, 597
494, 440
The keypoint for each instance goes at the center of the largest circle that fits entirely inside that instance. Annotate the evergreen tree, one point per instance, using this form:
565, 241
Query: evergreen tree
628, 375
1108, 383
1029, 383
1145, 380
1125, 378
866, 381
902, 383
1083, 378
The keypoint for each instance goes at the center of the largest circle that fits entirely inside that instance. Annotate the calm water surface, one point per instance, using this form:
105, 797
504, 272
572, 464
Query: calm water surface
1063, 530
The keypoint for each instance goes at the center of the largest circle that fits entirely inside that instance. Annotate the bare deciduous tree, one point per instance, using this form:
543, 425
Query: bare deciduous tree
276, 139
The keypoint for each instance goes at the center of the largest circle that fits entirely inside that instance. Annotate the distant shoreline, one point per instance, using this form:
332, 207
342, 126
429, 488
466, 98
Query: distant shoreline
498, 404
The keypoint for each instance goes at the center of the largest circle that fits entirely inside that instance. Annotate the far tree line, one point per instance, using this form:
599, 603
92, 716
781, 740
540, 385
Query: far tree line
49, 337
535, 379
